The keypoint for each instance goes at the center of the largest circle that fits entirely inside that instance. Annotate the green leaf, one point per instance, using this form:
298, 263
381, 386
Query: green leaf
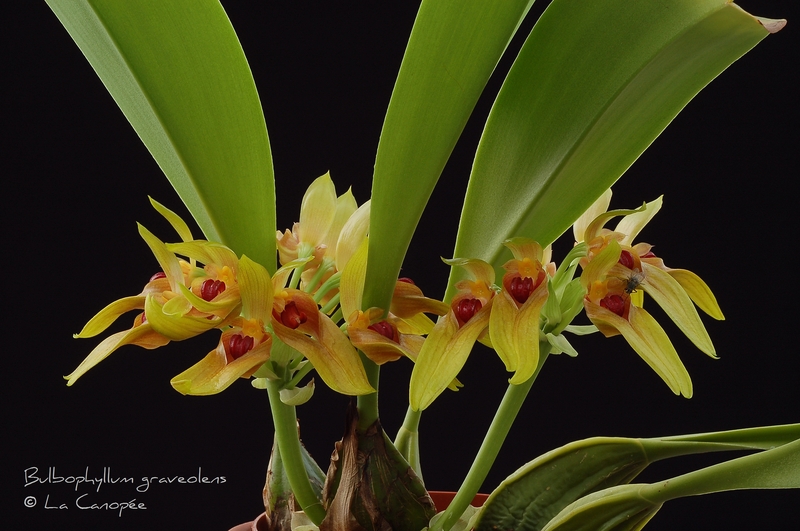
594, 84
453, 49
178, 72
630, 507
540, 490
535, 493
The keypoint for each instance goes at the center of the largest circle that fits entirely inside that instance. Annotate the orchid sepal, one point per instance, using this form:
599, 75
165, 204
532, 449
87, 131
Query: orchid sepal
174, 219
168, 261
649, 340
257, 292
205, 252
142, 334
442, 356
694, 286
317, 210
677, 304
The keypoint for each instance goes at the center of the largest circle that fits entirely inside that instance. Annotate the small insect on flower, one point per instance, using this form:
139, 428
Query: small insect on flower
633, 281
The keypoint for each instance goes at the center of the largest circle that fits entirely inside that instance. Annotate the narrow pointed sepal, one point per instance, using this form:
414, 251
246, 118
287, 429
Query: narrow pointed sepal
142, 335
677, 304
649, 340
698, 291
442, 356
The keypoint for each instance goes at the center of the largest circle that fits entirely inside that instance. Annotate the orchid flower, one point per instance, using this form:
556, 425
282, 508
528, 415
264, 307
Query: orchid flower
449, 343
514, 319
616, 272
244, 346
401, 332
179, 302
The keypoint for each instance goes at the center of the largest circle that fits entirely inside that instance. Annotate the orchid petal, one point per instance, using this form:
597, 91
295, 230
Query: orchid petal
632, 224
256, 291
670, 295
599, 206
220, 306
352, 235
408, 301
142, 335
206, 252
601, 264
317, 211
597, 224
214, 373
650, 341
351, 284
176, 326
477, 269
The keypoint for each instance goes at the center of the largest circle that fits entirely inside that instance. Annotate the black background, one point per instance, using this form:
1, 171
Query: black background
78, 179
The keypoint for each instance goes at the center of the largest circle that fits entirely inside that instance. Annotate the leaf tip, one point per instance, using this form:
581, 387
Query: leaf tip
772, 25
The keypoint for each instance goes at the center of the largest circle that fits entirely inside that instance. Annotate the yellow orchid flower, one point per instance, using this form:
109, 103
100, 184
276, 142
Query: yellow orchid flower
244, 346
617, 273
179, 302
401, 332
199, 299
449, 343
329, 231
381, 340
514, 319
298, 322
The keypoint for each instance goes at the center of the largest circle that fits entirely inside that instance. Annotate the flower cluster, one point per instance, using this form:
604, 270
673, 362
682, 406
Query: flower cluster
616, 274
308, 315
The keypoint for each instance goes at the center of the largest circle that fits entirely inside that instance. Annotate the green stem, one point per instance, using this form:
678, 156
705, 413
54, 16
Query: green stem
288, 440
368, 404
492, 442
407, 440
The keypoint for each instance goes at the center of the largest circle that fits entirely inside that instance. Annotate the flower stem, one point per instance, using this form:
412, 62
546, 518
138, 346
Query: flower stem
368, 404
407, 440
492, 442
288, 440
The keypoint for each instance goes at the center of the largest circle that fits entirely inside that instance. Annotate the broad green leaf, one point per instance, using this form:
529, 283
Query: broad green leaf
178, 72
630, 507
594, 84
537, 492
453, 49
